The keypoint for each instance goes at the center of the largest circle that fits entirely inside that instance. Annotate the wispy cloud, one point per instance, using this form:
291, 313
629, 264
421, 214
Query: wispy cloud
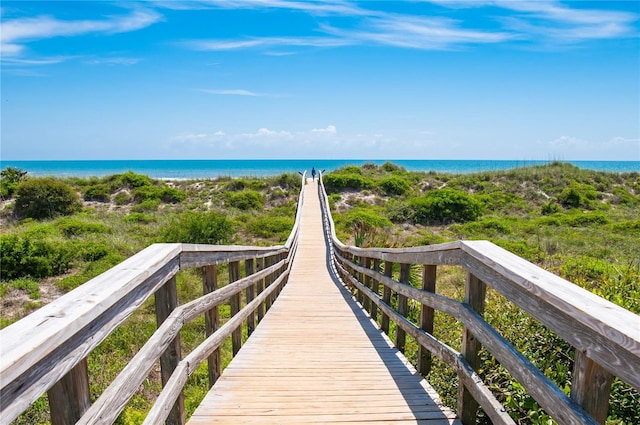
265, 42
239, 92
114, 61
547, 21
17, 32
330, 129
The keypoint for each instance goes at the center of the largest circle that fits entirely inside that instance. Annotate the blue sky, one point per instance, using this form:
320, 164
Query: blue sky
246, 79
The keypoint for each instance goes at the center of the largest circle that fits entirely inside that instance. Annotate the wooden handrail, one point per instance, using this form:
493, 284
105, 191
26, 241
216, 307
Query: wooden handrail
606, 336
50, 346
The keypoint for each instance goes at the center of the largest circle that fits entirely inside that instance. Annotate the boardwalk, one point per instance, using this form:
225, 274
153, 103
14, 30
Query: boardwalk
317, 358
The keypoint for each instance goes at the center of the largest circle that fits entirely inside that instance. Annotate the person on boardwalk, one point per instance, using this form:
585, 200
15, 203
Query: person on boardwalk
313, 173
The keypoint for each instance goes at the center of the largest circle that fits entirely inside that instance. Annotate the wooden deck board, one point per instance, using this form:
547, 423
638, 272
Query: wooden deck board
317, 358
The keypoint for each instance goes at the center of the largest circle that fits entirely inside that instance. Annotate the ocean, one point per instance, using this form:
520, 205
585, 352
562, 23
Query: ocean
199, 169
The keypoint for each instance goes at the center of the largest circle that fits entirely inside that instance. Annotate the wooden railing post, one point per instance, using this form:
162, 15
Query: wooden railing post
250, 294
403, 304
212, 322
591, 386
375, 287
426, 319
259, 288
166, 299
367, 282
386, 297
234, 304
269, 261
474, 296
69, 398
359, 277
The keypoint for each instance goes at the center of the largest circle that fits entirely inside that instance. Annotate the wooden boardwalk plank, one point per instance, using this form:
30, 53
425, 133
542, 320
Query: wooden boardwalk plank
317, 358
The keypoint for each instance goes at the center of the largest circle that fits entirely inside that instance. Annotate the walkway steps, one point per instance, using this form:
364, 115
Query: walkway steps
317, 358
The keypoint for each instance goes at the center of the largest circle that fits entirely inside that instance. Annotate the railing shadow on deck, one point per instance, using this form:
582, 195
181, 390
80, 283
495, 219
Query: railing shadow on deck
606, 337
399, 367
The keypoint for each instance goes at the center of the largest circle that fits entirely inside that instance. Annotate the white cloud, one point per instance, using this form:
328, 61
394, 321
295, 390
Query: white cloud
240, 92
233, 92
16, 32
330, 129
114, 61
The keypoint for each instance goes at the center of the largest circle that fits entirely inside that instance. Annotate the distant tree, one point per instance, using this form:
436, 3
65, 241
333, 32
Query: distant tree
45, 197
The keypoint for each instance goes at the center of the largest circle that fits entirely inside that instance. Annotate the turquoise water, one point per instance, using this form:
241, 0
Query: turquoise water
191, 169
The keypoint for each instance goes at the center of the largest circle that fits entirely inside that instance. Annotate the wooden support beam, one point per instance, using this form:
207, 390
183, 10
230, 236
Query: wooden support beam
475, 292
212, 322
166, 299
375, 287
591, 387
403, 304
234, 304
69, 398
250, 294
426, 318
260, 265
386, 297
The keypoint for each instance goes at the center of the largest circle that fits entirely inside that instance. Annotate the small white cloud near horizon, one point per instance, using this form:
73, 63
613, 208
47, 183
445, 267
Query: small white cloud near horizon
330, 129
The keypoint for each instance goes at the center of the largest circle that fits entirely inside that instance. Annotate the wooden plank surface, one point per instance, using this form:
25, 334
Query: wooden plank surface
317, 358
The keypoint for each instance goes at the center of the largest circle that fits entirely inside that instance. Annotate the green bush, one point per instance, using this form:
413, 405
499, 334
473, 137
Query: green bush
10, 177
22, 256
270, 227
445, 205
148, 205
165, 194
138, 217
31, 286
122, 198
98, 192
134, 180
394, 185
342, 181
45, 198
246, 200
195, 227
73, 226
364, 225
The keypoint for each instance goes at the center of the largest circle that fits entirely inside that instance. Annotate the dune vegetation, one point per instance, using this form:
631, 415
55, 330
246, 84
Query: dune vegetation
582, 225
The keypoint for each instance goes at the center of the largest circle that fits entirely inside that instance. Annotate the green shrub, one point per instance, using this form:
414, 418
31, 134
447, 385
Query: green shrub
148, 205
394, 185
165, 194
99, 192
73, 226
10, 177
45, 198
138, 217
577, 196
550, 207
31, 286
195, 227
586, 219
445, 205
246, 200
270, 227
343, 181
364, 225
122, 198
134, 180
22, 256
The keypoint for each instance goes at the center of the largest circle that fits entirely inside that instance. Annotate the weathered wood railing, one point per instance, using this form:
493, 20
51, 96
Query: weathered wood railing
606, 337
47, 350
